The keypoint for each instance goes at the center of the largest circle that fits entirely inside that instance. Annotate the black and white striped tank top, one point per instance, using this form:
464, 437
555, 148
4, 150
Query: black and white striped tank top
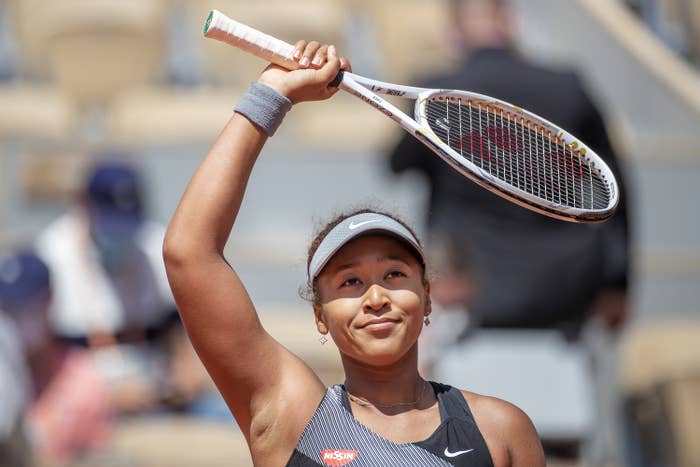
333, 437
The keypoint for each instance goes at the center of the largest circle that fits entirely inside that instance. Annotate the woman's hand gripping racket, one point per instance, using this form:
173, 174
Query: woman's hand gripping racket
505, 149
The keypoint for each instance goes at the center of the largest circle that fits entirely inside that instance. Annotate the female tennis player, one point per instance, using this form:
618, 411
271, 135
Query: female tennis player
370, 293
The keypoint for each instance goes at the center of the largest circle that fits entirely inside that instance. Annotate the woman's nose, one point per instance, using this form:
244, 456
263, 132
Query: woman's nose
376, 298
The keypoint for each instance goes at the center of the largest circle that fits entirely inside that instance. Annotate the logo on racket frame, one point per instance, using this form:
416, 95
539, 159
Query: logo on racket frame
375, 102
387, 91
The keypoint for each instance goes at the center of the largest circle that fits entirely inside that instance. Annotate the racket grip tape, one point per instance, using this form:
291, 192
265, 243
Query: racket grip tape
222, 28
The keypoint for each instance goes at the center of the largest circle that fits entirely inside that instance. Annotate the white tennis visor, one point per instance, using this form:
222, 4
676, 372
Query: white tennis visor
354, 226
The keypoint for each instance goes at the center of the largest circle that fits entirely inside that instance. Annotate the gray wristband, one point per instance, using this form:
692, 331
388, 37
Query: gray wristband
263, 106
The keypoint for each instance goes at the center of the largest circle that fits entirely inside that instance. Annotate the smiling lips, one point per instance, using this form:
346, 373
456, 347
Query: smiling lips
379, 324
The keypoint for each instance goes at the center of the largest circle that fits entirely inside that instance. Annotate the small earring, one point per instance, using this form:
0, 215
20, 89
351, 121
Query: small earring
427, 321
323, 339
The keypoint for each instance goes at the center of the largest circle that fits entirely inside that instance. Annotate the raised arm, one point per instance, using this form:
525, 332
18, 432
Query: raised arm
248, 366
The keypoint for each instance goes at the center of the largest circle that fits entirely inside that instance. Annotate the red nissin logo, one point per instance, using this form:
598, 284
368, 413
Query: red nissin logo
338, 456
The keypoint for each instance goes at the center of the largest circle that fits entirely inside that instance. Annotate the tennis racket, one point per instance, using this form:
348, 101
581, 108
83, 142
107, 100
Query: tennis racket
505, 149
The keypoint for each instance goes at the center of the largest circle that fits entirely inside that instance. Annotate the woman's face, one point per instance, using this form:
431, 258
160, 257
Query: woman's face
373, 299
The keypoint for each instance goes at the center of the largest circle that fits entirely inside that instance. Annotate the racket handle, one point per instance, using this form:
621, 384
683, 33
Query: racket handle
222, 28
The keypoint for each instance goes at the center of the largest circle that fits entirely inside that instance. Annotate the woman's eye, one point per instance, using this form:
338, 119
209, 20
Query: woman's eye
394, 274
350, 282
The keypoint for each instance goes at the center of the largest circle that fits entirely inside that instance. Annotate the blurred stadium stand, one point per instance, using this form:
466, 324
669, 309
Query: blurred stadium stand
78, 76
676, 22
661, 374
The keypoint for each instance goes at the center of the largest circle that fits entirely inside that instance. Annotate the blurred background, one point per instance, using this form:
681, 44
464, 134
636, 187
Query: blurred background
106, 108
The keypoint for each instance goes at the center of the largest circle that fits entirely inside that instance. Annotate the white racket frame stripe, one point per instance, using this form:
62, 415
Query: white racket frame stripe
220, 27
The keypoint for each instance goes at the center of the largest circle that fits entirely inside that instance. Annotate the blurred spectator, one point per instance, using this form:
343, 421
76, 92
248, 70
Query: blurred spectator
527, 271
111, 293
67, 407
530, 271
14, 390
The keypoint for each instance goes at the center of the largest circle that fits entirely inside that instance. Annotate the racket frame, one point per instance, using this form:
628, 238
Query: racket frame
219, 26
367, 90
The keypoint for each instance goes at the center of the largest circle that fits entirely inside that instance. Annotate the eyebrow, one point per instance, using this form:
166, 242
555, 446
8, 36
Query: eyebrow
344, 266
352, 264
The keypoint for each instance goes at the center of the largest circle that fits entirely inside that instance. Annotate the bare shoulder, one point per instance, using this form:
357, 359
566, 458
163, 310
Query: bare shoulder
496, 412
508, 431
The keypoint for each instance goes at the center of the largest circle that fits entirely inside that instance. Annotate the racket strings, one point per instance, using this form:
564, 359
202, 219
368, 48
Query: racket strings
518, 152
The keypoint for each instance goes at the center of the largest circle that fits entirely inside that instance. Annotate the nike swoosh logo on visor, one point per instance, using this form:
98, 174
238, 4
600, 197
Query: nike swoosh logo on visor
354, 226
455, 454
